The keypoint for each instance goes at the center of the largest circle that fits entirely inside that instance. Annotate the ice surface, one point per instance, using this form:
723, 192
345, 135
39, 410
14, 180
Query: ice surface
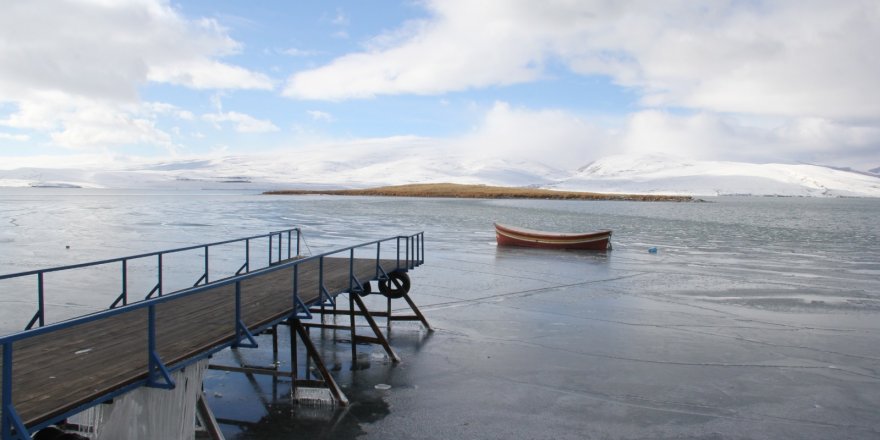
757, 318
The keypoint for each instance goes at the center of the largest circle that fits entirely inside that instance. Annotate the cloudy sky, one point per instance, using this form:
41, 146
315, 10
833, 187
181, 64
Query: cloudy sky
559, 81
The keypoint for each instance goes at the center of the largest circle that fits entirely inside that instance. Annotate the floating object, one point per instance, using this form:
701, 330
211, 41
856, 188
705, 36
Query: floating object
652, 250
513, 236
382, 386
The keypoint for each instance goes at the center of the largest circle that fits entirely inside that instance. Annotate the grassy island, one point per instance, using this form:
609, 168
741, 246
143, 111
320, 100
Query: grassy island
454, 190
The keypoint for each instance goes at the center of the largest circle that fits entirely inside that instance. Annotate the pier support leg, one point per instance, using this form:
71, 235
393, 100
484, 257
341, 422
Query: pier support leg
207, 419
353, 328
379, 338
313, 354
415, 309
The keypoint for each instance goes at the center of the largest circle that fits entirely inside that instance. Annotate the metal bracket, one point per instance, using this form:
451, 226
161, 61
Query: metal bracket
155, 289
357, 287
33, 320
12, 418
242, 333
119, 299
203, 277
301, 310
240, 269
326, 298
156, 366
383, 276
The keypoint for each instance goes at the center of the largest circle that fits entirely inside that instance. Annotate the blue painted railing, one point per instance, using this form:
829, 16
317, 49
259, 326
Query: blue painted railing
409, 253
276, 250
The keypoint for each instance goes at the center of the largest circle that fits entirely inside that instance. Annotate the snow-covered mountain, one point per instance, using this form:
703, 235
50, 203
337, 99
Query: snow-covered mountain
664, 175
363, 167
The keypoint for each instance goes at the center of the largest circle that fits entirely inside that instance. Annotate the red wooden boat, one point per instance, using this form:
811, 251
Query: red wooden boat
512, 236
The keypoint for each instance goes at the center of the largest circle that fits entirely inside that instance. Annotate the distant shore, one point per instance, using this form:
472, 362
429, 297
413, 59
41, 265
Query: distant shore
454, 190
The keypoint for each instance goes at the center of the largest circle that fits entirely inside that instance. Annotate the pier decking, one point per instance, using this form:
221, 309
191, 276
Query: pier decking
54, 371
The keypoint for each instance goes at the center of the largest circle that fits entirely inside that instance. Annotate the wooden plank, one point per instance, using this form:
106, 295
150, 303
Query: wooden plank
58, 371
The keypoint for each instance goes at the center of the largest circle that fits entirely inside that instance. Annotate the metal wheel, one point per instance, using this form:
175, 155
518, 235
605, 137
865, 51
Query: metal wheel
396, 286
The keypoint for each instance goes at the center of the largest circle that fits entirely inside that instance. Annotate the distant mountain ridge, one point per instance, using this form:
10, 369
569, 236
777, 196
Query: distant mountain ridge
365, 167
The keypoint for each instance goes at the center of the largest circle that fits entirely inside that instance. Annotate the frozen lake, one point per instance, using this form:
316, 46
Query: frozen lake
756, 318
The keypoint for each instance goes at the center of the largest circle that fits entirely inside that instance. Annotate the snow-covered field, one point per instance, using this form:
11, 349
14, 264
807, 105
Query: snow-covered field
362, 166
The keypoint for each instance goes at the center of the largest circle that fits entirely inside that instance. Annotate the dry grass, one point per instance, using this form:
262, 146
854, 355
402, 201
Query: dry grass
454, 190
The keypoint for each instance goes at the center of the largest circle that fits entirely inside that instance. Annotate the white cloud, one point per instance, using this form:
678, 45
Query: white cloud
163, 108
456, 50
14, 137
565, 140
340, 19
97, 126
318, 115
73, 68
796, 59
105, 50
209, 74
709, 136
243, 123
550, 136
295, 52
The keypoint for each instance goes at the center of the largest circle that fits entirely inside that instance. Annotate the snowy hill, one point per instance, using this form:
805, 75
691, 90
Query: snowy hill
655, 175
362, 166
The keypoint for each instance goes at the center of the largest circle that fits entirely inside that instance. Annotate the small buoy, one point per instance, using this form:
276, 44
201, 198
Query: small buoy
652, 250
67, 247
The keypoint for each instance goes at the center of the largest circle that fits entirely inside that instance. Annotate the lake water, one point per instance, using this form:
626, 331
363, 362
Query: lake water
755, 318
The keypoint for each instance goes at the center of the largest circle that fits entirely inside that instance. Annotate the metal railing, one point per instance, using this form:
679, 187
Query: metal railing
409, 253
275, 254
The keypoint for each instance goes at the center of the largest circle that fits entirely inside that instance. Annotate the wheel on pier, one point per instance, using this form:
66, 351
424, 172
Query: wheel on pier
367, 289
396, 286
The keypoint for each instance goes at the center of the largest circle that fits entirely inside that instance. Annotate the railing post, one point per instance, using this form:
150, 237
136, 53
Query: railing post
124, 282
41, 299
270, 249
206, 265
378, 253
151, 336
247, 256
288, 244
351, 271
297, 242
160, 274
397, 266
321, 278
279, 247
295, 295
155, 367
5, 423
237, 340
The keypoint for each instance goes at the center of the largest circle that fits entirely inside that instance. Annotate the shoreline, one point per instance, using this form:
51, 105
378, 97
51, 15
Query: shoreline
455, 190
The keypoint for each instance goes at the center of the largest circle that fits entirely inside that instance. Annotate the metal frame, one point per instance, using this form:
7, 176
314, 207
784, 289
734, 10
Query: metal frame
123, 298
11, 425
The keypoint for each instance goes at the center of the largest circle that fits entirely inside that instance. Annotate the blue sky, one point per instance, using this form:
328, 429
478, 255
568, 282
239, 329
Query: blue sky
558, 82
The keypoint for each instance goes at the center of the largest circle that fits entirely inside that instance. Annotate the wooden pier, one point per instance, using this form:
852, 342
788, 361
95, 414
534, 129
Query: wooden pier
57, 370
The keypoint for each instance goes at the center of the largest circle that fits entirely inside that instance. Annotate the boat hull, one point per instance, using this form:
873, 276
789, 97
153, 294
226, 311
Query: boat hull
512, 236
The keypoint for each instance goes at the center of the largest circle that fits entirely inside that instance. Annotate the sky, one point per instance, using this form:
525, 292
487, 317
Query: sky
561, 82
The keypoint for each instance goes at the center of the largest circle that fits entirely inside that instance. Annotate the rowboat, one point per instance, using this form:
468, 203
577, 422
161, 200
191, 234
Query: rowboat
513, 236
